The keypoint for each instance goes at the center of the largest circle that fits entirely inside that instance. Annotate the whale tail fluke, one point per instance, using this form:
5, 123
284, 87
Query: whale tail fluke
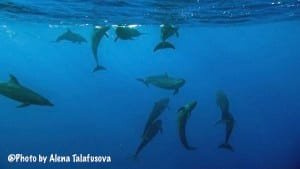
191, 148
163, 45
175, 91
133, 158
99, 67
226, 146
156, 48
143, 81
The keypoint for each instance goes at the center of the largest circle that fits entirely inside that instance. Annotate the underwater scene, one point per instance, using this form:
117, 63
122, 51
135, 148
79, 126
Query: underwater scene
150, 84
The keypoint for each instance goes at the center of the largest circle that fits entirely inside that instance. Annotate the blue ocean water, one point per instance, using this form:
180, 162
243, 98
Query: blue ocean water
250, 50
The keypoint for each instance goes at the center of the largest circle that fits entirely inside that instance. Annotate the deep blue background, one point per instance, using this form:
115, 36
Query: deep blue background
104, 112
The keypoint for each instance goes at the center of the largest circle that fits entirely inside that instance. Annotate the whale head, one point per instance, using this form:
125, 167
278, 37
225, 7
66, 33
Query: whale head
46, 102
192, 105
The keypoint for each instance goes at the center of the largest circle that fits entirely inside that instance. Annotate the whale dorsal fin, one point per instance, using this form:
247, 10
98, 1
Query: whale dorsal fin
13, 80
23, 105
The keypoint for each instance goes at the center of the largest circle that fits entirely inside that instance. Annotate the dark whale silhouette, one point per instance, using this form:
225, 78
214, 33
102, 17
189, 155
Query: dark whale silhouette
164, 81
71, 36
158, 108
166, 31
97, 35
126, 33
14, 90
227, 119
183, 115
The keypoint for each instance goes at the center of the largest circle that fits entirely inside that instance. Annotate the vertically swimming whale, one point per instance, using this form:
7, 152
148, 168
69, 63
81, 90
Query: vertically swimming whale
227, 119
151, 132
166, 32
164, 81
97, 35
126, 33
71, 36
157, 110
14, 90
183, 115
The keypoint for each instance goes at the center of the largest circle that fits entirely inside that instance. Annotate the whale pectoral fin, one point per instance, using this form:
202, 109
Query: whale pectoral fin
23, 105
106, 35
175, 91
226, 146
